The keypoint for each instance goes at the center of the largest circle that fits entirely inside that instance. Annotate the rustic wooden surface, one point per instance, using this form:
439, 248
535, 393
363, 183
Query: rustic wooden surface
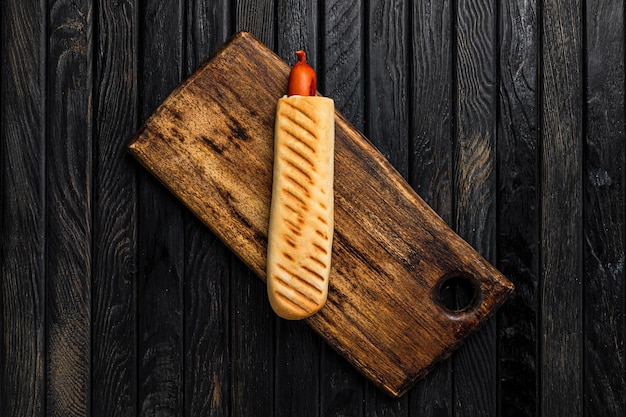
508, 118
211, 143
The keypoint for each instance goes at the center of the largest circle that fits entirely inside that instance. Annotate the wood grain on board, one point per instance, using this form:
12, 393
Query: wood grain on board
210, 143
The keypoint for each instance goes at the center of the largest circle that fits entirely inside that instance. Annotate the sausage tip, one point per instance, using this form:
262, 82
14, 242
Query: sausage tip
302, 79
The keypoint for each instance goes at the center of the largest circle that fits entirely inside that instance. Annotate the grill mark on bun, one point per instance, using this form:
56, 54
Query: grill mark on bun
289, 240
318, 261
286, 299
293, 227
305, 109
304, 189
302, 280
295, 197
298, 169
301, 156
320, 248
321, 234
299, 133
313, 274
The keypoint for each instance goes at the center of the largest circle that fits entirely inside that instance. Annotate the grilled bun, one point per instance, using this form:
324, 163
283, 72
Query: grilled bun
302, 207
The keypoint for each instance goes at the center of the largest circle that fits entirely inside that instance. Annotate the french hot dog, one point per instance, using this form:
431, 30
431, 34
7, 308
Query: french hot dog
302, 205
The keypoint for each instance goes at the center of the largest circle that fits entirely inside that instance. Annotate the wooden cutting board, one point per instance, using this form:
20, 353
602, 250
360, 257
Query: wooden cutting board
211, 144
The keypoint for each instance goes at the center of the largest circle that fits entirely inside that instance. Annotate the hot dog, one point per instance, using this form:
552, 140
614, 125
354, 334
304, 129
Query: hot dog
302, 205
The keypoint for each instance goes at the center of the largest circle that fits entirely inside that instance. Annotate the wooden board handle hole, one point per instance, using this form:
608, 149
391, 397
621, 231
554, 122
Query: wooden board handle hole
458, 293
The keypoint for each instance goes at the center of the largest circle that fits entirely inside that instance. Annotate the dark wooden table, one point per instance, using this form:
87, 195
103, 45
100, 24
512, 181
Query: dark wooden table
508, 118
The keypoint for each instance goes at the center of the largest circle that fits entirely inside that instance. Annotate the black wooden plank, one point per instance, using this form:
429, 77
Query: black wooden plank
386, 50
387, 121
207, 373
208, 26
605, 206
297, 364
114, 362
258, 18
517, 206
252, 344
432, 105
340, 72
341, 57
160, 232
206, 293
561, 209
69, 222
474, 188
22, 204
252, 321
297, 358
430, 158
297, 27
